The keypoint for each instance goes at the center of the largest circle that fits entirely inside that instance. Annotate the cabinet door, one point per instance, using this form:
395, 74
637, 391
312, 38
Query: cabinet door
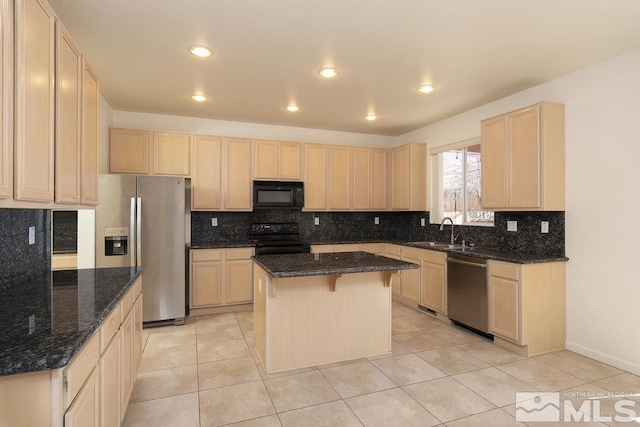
290, 160
504, 310
89, 140
127, 369
362, 176
434, 287
85, 410
494, 152
340, 177
171, 153
239, 281
400, 178
315, 181
137, 333
34, 103
411, 278
524, 157
68, 115
207, 173
378, 186
266, 161
238, 174
110, 383
6, 100
205, 284
129, 151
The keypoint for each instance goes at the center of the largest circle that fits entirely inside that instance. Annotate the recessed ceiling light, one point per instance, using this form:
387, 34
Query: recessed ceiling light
293, 108
328, 72
426, 88
199, 98
201, 51
371, 117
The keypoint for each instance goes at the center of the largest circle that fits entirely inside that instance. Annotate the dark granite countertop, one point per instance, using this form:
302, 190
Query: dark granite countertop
64, 309
298, 265
221, 245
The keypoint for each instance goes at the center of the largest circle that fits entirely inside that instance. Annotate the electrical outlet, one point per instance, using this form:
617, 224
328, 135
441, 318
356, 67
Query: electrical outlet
512, 225
32, 235
214, 222
544, 226
376, 220
32, 324
316, 220
423, 222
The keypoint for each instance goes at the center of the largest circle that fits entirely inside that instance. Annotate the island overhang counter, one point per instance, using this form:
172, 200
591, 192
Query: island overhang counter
315, 309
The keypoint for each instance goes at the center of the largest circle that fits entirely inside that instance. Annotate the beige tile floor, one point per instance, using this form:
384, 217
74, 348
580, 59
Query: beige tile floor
205, 373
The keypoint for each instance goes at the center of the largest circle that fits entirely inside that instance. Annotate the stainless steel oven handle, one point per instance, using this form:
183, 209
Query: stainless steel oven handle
472, 264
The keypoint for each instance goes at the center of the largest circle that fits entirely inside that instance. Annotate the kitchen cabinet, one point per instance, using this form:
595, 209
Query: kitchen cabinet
206, 179
89, 137
369, 178
340, 177
34, 101
434, 281
110, 382
523, 156
411, 284
85, 410
395, 252
137, 332
527, 306
237, 174
373, 248
315, 177
6, 99
219, 277
323, 249
129, 151
409, 177
127, 368
68, 118
277, 160
171, 154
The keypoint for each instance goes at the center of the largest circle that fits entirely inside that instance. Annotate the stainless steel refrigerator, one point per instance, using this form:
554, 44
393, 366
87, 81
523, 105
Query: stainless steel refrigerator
140, 220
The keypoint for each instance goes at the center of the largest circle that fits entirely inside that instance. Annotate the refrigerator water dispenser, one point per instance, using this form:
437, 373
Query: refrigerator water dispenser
116, 241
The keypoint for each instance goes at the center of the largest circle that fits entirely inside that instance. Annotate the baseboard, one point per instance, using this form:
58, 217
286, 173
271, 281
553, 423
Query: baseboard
604, 358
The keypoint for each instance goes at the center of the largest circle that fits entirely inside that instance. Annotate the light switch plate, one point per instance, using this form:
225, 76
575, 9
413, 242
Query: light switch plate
32, 235
316, 221
423, 222
376, 220
512, 225
544, 226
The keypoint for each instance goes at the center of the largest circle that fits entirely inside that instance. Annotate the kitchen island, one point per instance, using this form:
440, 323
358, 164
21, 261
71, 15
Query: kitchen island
315, 309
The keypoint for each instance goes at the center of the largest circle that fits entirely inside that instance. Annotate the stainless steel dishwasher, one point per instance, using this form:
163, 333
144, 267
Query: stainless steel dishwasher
467, 292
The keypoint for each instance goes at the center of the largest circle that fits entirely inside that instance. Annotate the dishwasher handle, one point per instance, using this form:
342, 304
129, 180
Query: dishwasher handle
472, 264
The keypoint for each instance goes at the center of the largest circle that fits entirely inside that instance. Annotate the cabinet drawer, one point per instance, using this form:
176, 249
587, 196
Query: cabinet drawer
244, 253
127, 302
80, 367
393, 250
412, 253
206, 255
506, 270
434, 257
110, 327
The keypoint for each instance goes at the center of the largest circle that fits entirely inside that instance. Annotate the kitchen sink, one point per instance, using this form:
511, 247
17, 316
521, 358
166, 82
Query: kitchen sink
437, 245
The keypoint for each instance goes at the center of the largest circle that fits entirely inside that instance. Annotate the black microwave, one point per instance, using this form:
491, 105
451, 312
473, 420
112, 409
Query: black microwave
278, 194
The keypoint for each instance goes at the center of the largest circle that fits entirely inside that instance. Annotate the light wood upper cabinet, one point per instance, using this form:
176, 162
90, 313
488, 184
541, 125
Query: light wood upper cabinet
315, 176
237, 175
207, 172
434, 282
89, 141
6, 103
34, 103
129, 151
340, 177
523, 156
68, 118
409, 177
171, 153
277, 160
369, 178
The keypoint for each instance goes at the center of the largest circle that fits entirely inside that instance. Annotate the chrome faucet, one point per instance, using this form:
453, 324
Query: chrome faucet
453, 238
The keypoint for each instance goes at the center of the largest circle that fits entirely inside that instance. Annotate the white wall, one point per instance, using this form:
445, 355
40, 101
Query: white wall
603, 199
126, 119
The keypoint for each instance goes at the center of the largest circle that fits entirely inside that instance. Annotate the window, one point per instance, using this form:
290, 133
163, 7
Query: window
456, 184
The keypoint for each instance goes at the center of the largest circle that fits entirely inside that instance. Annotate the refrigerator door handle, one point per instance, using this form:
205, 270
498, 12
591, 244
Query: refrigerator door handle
133, 235
139, 231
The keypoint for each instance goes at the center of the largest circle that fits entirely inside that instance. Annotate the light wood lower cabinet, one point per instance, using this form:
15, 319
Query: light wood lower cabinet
127, 368
85, 410
220, 277
411, 278
110, 383
527, 306
434, 281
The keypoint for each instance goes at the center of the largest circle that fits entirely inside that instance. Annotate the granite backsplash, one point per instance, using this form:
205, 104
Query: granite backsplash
21, 261
65, 231
394, 226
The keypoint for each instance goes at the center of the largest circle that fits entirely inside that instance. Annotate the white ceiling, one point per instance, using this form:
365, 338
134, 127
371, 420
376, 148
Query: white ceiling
267, 54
